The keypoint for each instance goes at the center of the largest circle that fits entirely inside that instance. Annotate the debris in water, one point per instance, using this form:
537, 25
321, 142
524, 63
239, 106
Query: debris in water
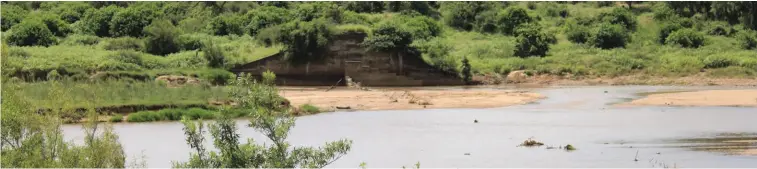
605, 91
569, 147
342, 107
467, 154
530, 142
637, 156
475, 121
658, 152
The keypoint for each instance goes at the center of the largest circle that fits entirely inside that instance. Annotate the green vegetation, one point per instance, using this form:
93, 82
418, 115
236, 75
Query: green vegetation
117, 118
309, 109
171, 114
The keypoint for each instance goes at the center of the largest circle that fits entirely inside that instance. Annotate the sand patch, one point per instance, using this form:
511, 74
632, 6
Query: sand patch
700, 98
408, 99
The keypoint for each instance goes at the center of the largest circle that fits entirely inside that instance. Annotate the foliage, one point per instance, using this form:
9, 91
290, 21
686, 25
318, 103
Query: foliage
162, 38
688, 38
462, 15
531, 41
79, 39
131, 21
466, 70
310, 109
747, 39
666, 30
364, 6
262, 102
171, 115
512, 18
32, 140
226, 24
31, 32
98, 21
621, 16
214, 55
265, 17
12, 15
54, 24
577, 33
124, 43
388, 37
116, 118
422, 27
608, 36
304, 41
319, 10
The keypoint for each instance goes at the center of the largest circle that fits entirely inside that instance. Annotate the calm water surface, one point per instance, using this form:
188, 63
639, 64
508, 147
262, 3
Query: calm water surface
605, 136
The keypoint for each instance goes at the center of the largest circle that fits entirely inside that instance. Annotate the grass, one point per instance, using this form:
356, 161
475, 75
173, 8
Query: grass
116, 118
114, 93
171, 115
309, 109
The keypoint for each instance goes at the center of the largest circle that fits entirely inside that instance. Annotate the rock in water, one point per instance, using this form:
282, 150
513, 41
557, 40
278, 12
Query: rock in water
475, 121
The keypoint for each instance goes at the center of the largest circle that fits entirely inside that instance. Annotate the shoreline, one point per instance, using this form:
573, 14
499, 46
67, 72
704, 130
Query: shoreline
699, 98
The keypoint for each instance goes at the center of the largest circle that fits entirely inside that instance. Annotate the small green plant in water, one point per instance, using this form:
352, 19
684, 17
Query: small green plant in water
570, 147
310, 109
117, 118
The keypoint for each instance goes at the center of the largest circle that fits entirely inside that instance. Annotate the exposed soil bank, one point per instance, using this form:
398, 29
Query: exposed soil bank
700, 98
394, 99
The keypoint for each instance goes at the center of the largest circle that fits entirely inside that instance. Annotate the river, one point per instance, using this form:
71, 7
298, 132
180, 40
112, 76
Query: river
604, 135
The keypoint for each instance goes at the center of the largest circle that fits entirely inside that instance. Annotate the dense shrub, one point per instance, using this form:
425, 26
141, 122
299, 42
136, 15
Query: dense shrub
12, 15
98, 21
72, 11
214, 55
487, 22
175, 11
309, 109
162, 38
131, 21
666, 30
462, 15
512, 18
53, 75
718, 61
688, 38
31, 32
126, 56
124, 43
226, 24
747, 39
663, 13
388, 37
604, 3
423, 27
265, 17
117, 118
531, 41
364, 6
189, 42
608, 36
57, 26
312, 11
578, 34
718, 30
620, 16
78, 39
217, 76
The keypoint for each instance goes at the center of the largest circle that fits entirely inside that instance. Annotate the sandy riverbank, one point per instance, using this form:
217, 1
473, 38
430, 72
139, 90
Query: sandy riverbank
396, 99
700, 98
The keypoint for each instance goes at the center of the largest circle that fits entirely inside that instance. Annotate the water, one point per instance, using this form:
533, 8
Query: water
605, 136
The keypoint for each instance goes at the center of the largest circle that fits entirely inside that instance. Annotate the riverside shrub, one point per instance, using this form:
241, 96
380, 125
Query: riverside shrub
609, 36
688, 38
31, 32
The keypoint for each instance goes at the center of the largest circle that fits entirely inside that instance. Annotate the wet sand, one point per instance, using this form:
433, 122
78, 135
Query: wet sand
745, 98
405, 99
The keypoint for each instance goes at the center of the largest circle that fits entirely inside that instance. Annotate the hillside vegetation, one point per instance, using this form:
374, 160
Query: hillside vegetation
134, 42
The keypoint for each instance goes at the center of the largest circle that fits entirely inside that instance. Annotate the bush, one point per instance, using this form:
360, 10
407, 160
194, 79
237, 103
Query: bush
666, 30
189, 42
718, 61
423, 27
531, 41
78, 39
214, 55
57, 26
226, 24
131, 21
512, 18
609, 36
310, 109
620, 16
688, 38
217, 76
305, 41
265, 17
53, 75
12, 15
604, 3
98, 21
124, 43
117, 118
462, 15
487, 22
72, 11
718, 30
364, 6
578, 34
126, 56
31, 32
162, 38
747, 39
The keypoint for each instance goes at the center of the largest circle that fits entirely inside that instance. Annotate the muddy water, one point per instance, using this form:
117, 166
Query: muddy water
605, 136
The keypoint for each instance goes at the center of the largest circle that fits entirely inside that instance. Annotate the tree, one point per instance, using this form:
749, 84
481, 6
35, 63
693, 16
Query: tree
688, 38
466, 73
226, 24
214, 55
364, 6
12, 15
621, 16
531, 41
608, 36
31, 32
269, 117
512, 18
162, 38
98, 21
34, 140
265, 17
462, 15
304, 41
131, 21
